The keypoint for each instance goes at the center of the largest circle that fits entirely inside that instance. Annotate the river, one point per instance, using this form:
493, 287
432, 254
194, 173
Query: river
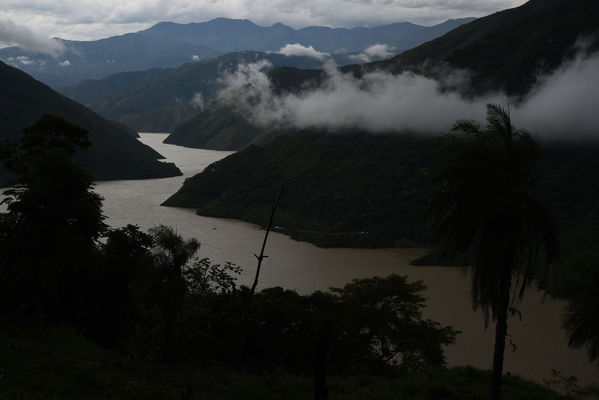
541, 344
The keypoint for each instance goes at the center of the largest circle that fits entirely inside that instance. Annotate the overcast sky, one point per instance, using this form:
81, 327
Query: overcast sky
95, 19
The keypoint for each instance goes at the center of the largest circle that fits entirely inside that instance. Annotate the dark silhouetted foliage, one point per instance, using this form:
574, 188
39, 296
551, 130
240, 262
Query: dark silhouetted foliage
483, 206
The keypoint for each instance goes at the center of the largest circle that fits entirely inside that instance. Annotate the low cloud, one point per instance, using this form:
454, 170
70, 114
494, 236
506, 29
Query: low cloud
197, 101
562, 104
374, 52
303, 51
195, 57
12, 34
65, 63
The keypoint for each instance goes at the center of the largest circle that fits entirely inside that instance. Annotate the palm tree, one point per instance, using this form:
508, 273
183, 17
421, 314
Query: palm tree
581, 323
171, 254
483, 207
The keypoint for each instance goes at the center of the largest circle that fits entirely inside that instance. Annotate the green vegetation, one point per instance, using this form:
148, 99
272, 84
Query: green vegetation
341, 188
363, 190
219, 128
113, 154
61, 364
483, 206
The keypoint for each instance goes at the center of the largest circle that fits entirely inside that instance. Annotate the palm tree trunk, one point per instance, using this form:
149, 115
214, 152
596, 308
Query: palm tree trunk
500, 334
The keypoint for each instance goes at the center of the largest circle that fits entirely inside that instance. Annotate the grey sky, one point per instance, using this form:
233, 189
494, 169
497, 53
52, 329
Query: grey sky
94, 19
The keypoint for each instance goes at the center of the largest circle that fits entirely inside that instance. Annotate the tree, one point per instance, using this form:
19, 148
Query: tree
368, 326
121, 284
483, 206
580, 318
48, 239
171, 253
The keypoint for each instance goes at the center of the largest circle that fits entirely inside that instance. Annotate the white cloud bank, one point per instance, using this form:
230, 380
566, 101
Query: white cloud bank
297, 49
12, 34
562, 104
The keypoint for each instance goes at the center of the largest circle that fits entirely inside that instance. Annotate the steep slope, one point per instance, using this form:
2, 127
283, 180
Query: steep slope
114, 154
356, 189
221, 127
343, 189
509, 49
505, 51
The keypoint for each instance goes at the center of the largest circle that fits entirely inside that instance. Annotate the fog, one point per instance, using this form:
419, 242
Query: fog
12, 34
374, 52
565, 103
562, 104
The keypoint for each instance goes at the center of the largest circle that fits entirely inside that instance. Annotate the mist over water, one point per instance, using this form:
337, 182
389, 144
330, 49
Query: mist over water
561, 105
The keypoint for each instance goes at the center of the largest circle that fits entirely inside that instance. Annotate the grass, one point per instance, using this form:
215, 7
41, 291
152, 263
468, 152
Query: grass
60, 364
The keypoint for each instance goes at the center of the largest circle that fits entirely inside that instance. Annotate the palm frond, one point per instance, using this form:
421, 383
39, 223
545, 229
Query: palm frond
468, 127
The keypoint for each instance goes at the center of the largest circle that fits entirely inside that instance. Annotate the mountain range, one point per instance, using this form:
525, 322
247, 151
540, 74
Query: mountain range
169, 44
236, 35
503, 52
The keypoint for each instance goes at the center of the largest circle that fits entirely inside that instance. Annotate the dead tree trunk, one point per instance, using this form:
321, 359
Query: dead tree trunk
261, 257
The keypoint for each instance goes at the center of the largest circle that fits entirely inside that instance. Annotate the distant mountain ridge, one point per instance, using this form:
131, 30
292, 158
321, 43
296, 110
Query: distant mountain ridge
114, 153
237, 35
168, 44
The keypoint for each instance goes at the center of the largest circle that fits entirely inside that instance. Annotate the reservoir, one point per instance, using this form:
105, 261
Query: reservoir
540, 343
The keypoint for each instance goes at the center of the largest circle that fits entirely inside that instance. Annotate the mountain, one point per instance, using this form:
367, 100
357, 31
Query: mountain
169, 44
350, 188
100, 58
342, 188
236, 35
114, 153
159, 100
508, 50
